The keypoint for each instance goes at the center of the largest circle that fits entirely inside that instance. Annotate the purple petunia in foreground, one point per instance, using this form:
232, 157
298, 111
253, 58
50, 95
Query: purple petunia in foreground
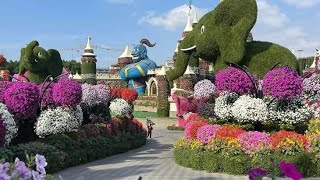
257, 174
289, 170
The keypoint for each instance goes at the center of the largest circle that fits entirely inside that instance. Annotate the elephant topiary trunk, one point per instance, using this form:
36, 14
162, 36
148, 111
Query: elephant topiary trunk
220, 37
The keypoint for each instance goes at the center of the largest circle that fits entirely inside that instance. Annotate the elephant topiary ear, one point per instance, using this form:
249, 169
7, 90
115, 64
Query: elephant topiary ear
234, 20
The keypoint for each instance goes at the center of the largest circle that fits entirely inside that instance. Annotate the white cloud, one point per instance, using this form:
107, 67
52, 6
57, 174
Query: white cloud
173, 19
270, 14
275, 26
302, 3
126, 2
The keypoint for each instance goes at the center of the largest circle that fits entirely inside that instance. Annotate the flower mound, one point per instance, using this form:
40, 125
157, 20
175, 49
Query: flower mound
253, 142
67, 92
191, 129
288, 142
120, 107
207, 110
129, 94
311, 85
89, 94
46, 94
224, 104
95, 94
204, 89
56, 121
257, 173
248, 109
206, 132
22, 100
115, 93
8, 127
235, 80
289, 170
2, 133
282, 83
4, 85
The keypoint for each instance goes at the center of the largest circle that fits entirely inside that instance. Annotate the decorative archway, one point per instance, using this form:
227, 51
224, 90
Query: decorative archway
152, 86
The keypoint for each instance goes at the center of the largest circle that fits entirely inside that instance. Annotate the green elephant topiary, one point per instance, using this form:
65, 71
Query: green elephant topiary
37, 63
220, 37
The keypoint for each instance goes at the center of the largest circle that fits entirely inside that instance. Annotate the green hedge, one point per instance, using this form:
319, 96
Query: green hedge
65, 150
305, 162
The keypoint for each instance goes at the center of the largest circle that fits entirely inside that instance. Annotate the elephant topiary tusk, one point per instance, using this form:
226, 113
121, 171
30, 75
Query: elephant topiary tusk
189, 49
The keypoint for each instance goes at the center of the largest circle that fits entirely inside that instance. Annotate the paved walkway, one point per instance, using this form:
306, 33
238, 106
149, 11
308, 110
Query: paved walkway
152, 161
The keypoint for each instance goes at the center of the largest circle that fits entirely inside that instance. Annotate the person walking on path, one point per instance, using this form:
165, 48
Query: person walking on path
150, 128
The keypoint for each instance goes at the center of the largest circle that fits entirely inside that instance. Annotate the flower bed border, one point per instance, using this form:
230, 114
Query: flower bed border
60, 152
240, 164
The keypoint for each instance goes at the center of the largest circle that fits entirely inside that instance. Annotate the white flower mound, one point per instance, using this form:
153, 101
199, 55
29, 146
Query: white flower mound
11, 128
77, 114
248, 109
293, 113
59, 120
120, 107
204, 89
224, 104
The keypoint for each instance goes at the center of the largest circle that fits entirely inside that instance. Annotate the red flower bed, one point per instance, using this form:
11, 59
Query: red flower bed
287, 141
192, 129
129, 94
115, 93
229, 132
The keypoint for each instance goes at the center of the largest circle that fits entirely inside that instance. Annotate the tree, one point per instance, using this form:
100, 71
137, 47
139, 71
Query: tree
73, 66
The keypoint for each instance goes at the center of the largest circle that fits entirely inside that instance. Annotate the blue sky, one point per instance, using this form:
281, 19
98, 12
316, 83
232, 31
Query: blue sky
65, 24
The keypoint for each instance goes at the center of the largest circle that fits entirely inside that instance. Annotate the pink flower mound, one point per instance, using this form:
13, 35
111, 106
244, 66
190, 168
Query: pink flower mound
3, 86
234, 80
290, 171
191, 129
282, 83
254, 141
2, 133
67, 92
46, 93
22, 100
206, 132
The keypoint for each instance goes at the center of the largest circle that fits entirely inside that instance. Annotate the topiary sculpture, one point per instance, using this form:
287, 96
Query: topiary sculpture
220, 37
36, 63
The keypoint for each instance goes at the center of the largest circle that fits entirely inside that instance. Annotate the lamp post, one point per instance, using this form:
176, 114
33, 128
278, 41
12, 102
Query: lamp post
305, 63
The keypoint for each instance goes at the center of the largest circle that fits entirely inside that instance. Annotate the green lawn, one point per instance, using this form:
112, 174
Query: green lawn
141, 114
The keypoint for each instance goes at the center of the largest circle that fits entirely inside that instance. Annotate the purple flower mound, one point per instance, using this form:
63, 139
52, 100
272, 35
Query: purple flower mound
206, 132
282, 83
67, 93
3, 86
311, 85
206, 110
257, 173
47, 97
254, 141
2, 133
22, 100
235, 80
